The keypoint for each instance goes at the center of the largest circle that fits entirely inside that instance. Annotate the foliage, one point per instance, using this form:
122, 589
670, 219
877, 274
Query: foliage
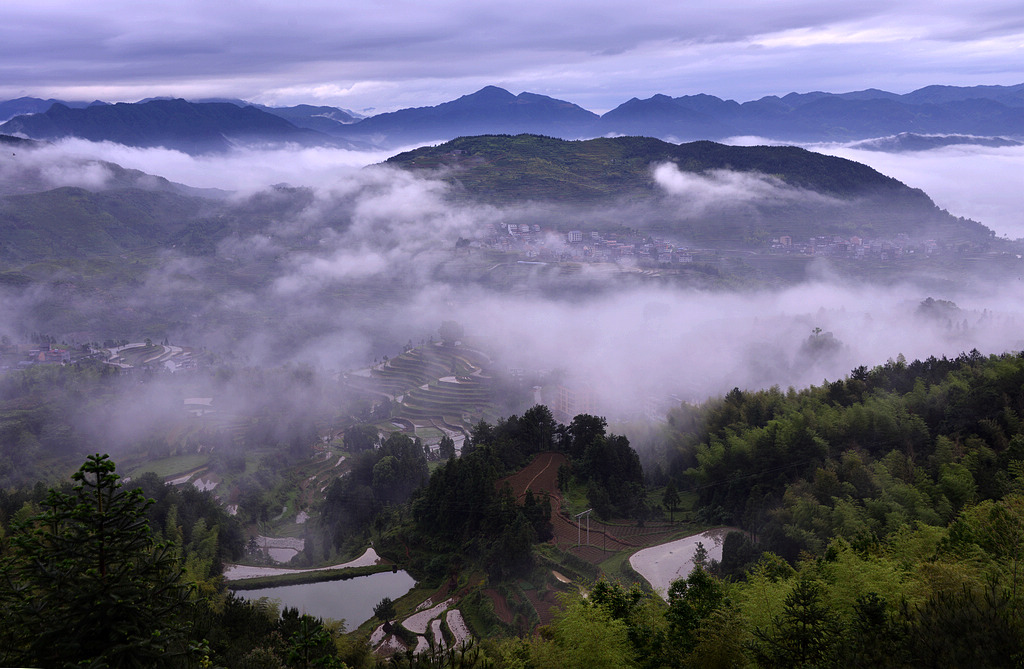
531, 165
692, 601
670, 498
384, 609
86, 582
859, 457
446, 449
463, 511
584, 636
803, 635
360, 437
607, 465
194, 520
897, 495
248, 634
379, 477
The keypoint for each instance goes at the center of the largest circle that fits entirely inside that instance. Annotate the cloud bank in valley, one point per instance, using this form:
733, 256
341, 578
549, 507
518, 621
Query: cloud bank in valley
363, 260
977, 182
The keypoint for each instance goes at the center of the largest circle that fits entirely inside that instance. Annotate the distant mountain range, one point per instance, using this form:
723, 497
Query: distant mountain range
910, 141
11, 108
203, 126
191, 127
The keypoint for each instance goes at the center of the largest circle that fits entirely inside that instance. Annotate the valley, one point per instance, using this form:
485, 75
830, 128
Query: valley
502, 387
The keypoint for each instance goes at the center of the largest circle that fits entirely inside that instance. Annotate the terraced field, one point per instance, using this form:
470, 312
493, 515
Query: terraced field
438, 389
541, 476
570, 535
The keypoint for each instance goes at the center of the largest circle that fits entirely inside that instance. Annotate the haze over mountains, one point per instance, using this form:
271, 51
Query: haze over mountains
201, 127
315, 257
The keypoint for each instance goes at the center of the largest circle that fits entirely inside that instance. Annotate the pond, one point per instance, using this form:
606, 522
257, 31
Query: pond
664, 563
351, 600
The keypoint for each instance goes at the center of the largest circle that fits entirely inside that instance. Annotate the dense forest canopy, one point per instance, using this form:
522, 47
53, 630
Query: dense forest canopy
883, 519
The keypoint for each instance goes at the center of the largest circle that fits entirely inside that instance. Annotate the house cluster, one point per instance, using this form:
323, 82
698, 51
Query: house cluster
532, 241
19, 356
858, 248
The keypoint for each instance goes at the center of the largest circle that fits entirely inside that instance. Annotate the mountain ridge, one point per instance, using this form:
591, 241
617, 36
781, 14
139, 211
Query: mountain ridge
796, 117
193, 128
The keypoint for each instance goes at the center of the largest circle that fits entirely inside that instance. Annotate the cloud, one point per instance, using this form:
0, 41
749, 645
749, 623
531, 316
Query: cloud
243, 169
698, 193
34, 170
597, 54
358, 262
634, 345
977, 182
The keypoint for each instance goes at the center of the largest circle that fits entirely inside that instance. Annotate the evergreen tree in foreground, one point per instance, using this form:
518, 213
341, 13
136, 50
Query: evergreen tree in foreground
85, 583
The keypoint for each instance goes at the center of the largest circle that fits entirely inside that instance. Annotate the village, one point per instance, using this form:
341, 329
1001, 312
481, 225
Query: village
533, 242
45, 350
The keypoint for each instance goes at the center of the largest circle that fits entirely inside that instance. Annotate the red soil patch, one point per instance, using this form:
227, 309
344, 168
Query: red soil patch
544, 603
501, 608
541, 475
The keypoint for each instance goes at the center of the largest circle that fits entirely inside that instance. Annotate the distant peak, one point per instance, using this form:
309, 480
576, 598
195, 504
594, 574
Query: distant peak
491, 93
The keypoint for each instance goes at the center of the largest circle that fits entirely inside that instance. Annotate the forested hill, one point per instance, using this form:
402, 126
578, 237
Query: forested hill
859, 458
504, 168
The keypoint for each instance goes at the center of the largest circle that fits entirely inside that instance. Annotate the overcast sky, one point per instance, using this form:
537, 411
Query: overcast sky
390, 54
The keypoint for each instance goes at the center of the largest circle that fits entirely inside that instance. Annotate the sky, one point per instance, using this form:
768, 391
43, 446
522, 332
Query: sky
378, 55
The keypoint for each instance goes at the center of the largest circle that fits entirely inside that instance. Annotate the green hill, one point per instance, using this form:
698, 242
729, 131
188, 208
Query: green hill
75, 223
827, 195
503, 168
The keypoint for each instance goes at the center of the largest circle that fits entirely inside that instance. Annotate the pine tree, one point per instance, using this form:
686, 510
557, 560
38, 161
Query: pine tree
671, 499
85, 582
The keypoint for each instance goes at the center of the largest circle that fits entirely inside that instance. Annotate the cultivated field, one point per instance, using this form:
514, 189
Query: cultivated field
606, 539
437, 389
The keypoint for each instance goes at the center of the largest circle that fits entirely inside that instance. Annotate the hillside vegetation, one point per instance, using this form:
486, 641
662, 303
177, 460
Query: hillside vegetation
74, 222
883, 517
505, 168
728, 197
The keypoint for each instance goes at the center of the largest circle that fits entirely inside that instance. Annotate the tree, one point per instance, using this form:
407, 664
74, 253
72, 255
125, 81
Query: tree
447, 447
362, 437
700, 556
584, 637
85, 582
691, 601
671, 499
805, 633
384, 609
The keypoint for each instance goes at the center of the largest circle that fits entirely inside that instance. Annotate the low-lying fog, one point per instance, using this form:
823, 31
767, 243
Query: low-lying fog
977, 182
368, 263
982, 183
